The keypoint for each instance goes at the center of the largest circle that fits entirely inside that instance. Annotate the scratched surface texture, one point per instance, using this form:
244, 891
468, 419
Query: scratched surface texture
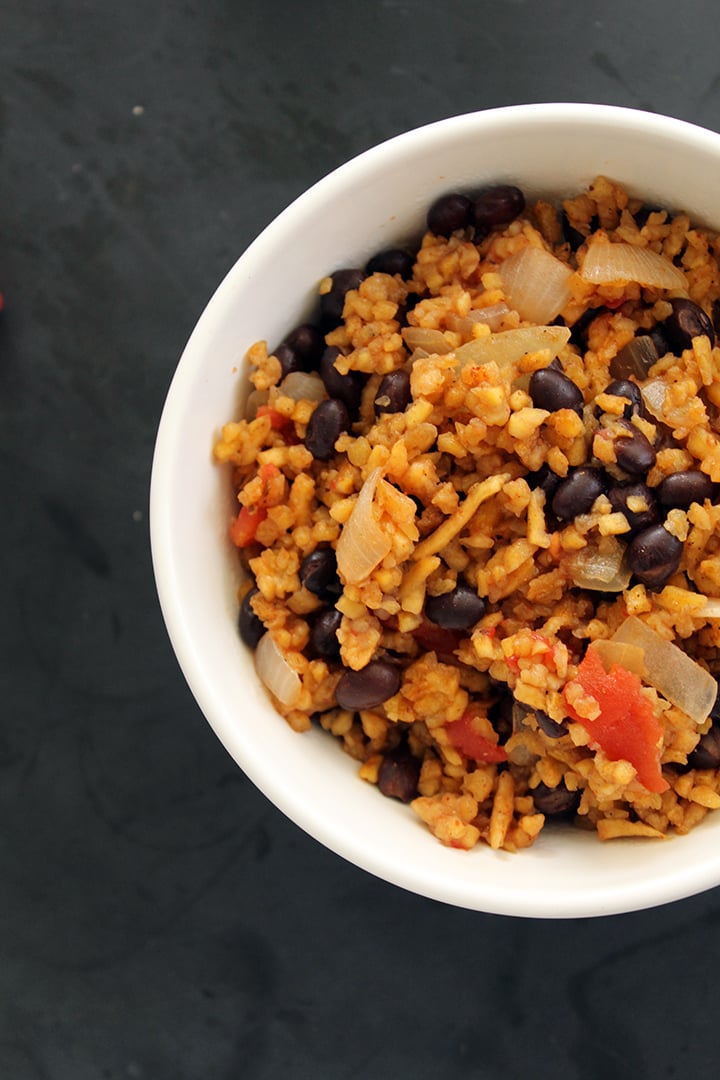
159, 920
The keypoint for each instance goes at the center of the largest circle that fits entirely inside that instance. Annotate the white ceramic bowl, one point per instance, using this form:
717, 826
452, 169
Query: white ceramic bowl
370, 203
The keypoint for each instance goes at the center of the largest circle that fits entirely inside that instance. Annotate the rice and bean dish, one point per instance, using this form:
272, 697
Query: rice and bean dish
479, 512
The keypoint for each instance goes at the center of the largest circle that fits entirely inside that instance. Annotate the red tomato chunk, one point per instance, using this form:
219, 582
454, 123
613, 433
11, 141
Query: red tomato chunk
465, 738
244, 526
627, 727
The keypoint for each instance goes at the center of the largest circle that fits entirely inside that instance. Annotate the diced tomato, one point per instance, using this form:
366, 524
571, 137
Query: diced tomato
282, 424
434, 638
277, 420
244, 526
627, 727
465, 738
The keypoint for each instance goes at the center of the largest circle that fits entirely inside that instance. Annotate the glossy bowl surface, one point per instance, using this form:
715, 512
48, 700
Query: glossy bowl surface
370, 203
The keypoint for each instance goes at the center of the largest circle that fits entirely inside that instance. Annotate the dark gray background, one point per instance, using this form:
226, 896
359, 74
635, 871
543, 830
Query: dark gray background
159, 920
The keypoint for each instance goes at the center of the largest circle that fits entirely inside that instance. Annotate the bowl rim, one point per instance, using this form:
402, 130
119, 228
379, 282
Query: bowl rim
613, 900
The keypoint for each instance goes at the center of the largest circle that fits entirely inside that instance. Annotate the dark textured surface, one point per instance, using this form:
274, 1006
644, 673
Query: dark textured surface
159, 920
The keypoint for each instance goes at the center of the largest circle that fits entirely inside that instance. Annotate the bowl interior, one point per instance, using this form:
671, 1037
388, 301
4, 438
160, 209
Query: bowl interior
373, 202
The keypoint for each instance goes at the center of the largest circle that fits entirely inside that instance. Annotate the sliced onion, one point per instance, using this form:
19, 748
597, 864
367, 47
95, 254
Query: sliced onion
709, 610
653, 395
418, 354
636, 358
518, 753
519, 715
509, 346
362, 544
255, 399
536, 283
423, 337
601, 571
670, 670
631, 657
275, 672
303, 386
607, 263
492, 316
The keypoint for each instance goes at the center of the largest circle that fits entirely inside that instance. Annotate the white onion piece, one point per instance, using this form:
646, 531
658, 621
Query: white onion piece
631, 657
303, 386
255, 399
362, 544
492, 316
607, 263
424, 337
709, 610
601, 571
509, 346
653, 395
418, 354
670, 670
537, 284
275, 672
520, 755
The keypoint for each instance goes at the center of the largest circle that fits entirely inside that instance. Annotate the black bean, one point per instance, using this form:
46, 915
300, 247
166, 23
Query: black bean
580, 328
641, 216
680, 490
636, 519
323, 634
550, 727
308, 342
393, 394
399, 774
289, 360
625, 388
369, 687
706, 754
572, 235
577, 492
660, 342
545, 479
687, 321
654, 555
346, 388
715, 311
555, 802
411, 301
449, 213
318, 573
251, 628
715, 711
498, 206
392, 261
332, 302
456, 610
634, 452
500, 715
552, 390
326, 426
636, 358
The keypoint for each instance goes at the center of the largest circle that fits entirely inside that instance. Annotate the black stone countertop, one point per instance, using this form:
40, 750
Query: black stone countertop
159, 919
